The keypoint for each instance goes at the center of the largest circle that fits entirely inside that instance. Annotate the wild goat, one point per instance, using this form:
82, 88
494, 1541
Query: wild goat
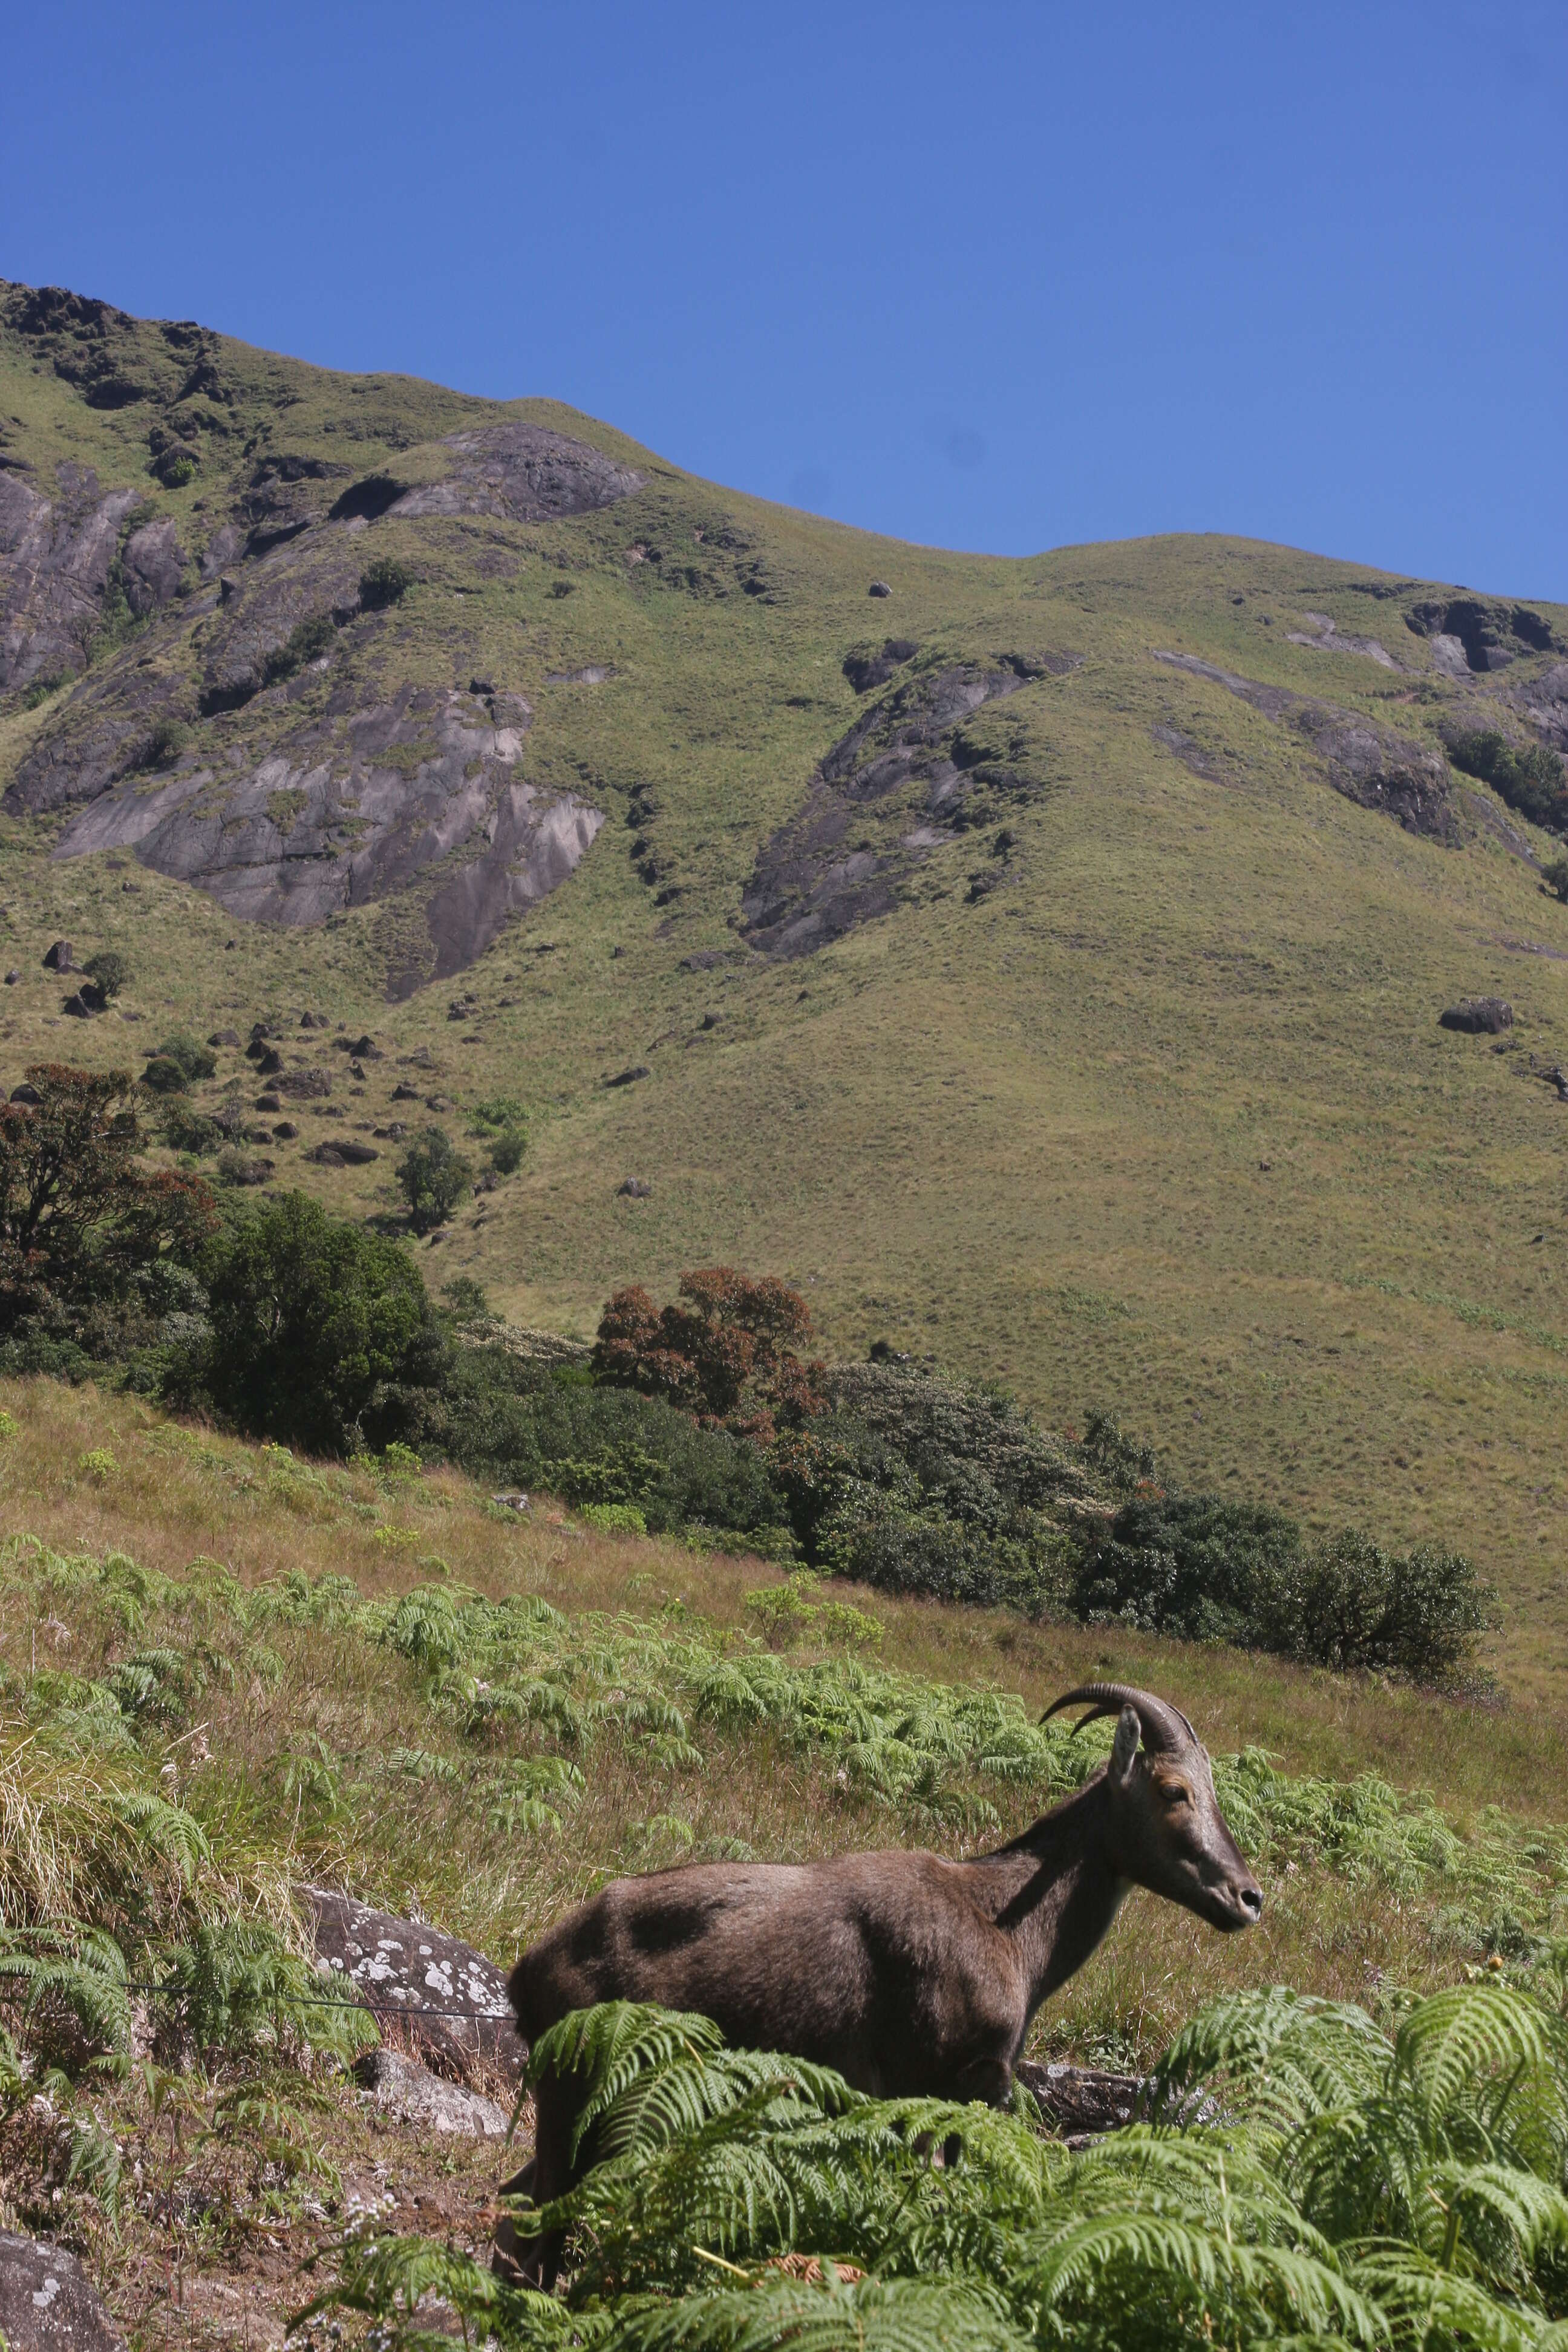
909, 1974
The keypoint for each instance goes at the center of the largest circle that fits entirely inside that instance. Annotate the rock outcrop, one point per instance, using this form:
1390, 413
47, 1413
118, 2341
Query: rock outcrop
1368, 763
811, 882
443, 1997
47, 2302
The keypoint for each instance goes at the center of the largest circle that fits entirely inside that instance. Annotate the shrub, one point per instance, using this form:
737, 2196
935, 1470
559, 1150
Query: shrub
1556, 876
307, 641
312, 1319
194, 1061
506, 1153
386, 582
1530, 781
164, 1076
1197, 1566
165, 744
725, 1352
509, 1420
433, 1176
1205, 1569
110, 969
185, 1128
79, 1222
1350, 1603
614, 1519
175, 468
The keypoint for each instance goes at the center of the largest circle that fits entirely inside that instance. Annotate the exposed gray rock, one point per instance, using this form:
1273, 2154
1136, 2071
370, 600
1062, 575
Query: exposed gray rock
407, 1972
523, 472
810, 885
1479, 1016
1368, 763
416, 2096
1078, 2103
1327, 639
636, 1188
55, 560
340, 813
58, 958
47, 2303
628, 1077
150, 565
879, 588
1543, 701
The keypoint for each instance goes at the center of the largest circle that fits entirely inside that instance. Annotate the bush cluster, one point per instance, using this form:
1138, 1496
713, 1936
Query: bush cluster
701, 1415
1530, 781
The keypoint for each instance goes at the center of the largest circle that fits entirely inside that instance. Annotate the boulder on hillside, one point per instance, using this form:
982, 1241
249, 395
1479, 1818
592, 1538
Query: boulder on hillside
59, 957
416, 2096
47, 2303
1477, 1016
1077, 2103
427, 1989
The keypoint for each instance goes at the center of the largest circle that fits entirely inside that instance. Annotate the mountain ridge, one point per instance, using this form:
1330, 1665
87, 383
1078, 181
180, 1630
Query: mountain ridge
1092, 1040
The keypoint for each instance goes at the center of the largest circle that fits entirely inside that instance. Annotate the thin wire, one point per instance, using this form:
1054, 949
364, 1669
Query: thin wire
312, 2000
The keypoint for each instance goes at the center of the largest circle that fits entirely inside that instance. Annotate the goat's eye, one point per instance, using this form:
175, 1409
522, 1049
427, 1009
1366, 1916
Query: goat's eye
1176, 1795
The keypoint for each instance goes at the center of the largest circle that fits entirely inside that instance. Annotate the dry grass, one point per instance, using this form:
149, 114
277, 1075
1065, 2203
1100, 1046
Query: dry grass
172, 1496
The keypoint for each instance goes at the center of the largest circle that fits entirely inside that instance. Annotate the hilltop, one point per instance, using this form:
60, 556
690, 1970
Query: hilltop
1039, 962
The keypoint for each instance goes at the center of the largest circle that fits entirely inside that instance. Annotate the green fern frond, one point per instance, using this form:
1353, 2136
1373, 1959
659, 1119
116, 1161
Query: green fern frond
867, 2315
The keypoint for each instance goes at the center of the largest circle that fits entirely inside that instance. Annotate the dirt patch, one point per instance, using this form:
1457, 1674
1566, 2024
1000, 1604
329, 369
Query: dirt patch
1367, 763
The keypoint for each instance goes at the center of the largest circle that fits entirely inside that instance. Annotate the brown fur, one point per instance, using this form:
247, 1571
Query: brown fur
908, 1973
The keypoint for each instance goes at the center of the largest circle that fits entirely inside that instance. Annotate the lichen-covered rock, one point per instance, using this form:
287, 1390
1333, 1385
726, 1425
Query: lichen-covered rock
47, 2302
448, 1999
416, 2096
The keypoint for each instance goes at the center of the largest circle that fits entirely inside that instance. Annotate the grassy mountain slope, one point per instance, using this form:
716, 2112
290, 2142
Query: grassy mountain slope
315, 1666
1136, 1096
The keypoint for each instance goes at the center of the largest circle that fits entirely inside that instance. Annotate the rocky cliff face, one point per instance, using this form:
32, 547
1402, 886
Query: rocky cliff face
252, 714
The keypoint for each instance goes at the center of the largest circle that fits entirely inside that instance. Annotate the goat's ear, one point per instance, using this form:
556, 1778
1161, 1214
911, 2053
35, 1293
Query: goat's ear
1124, 1747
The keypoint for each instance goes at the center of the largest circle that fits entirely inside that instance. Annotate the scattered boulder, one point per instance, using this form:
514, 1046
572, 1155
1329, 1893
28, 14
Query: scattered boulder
401, 1092
509, 1502
636, 1188
26, 1094
269, 1061
305, 1084
879, 588
711, 1021
285, 1131
327, 1155
628, 1077
416, 2096
78, 1007
448, 1999
312, 1020
224, 1037
355, 1155
59, 957
46, 2304
12, 978
1477, 1016
269, 1102
1079, 2102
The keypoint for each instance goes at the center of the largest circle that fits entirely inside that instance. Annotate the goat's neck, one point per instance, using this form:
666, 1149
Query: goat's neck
1056, 1890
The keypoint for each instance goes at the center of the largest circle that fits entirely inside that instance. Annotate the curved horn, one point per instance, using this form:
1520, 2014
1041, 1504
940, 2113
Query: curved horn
1162, 1725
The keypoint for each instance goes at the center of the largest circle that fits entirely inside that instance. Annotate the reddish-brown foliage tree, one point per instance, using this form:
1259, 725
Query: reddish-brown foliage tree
77, 1217
725, 1350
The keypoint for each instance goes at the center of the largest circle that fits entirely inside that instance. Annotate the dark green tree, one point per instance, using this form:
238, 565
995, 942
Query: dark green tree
312, 1319
433, 1176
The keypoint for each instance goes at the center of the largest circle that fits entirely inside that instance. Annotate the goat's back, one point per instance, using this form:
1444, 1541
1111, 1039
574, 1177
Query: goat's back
873, 1963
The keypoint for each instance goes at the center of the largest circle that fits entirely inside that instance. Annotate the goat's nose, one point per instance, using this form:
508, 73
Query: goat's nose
1250, 1898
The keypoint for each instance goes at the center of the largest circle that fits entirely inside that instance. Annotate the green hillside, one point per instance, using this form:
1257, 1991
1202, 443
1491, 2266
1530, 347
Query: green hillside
1087, 1036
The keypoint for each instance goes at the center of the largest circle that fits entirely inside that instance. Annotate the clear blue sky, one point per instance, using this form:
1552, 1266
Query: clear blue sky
988, 275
